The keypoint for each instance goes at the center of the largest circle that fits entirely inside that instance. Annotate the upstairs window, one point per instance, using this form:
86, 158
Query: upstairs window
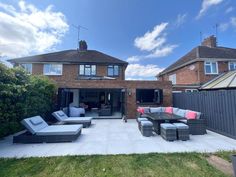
113, 70
87, 70
52, 69
27, 67
232, 66
211, 67
172, 78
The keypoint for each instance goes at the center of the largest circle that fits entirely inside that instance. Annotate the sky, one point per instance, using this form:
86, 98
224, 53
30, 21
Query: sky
150, 35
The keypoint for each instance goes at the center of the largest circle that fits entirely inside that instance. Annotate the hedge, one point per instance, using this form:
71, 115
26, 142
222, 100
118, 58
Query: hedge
21, 96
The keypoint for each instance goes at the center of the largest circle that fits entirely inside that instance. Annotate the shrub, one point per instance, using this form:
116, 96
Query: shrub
21, 96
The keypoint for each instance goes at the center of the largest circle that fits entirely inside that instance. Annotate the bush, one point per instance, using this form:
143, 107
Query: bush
21, 96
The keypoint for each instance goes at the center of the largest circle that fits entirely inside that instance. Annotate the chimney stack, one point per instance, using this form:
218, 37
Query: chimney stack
83, 45
210, 41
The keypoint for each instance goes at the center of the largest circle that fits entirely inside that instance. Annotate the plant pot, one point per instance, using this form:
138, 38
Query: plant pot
233, 157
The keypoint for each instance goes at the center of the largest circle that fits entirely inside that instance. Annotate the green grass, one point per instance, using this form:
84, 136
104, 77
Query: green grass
225, 155
144, 165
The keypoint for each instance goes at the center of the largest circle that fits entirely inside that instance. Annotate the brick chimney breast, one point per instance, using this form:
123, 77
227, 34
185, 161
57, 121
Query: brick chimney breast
210, 41
83, 45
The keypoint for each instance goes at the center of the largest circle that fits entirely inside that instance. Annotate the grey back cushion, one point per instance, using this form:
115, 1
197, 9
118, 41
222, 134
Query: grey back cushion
156, 109
181, 112
60, 115
175, 110
34, 124
146, 109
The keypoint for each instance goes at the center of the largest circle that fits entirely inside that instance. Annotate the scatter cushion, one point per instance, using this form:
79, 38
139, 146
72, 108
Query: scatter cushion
156, 110
169, 110
191, 115
146, 109
140, 110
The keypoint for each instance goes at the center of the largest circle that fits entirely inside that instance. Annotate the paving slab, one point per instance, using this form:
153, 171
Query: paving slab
117, 137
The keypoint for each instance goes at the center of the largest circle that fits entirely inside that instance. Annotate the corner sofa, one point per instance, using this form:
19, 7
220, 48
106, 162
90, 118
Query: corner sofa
195, 121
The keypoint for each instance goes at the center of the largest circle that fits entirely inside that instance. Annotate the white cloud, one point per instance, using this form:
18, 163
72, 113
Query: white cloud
151, 40
224, 26
155, 42
142, 72
181, 18
206, 4
228, 10
162, 52
133, 59
29, 29
233, 21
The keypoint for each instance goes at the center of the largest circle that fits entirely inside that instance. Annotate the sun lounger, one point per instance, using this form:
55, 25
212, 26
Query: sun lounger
38, 131
62, 117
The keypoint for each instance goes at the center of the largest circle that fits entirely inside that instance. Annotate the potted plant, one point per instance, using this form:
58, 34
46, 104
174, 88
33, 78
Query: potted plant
233, 157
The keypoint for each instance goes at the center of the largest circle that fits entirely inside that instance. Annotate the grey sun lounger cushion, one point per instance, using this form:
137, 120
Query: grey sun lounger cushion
60, 130
62, 117
78, 119
34, 124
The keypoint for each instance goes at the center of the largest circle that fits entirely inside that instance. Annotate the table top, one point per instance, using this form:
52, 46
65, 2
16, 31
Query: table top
163, 116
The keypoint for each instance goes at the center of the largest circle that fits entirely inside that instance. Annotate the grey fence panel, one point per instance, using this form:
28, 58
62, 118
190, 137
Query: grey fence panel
218, 108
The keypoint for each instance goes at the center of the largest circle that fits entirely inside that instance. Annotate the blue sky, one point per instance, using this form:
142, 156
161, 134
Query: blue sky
150, 34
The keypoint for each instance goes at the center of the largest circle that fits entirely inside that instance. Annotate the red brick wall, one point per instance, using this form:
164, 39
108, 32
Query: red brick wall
185, 76
70, 71
130, 85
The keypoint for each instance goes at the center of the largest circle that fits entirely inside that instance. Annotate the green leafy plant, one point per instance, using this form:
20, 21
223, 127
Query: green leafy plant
21, 96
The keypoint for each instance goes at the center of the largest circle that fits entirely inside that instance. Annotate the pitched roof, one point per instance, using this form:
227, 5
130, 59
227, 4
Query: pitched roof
201, 52
225, 80
72, 56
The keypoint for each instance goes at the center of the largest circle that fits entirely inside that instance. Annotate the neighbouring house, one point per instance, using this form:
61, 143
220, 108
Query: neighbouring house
202, 64
96, 82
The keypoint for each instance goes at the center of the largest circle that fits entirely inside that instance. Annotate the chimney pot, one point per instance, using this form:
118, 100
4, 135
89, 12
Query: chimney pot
83, 45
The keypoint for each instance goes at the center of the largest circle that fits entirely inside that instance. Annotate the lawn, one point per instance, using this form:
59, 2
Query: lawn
225, 155
177, 164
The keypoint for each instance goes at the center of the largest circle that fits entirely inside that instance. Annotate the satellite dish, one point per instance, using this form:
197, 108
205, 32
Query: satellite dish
192, 67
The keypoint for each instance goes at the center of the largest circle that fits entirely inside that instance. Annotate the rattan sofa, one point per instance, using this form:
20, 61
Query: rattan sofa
196, 126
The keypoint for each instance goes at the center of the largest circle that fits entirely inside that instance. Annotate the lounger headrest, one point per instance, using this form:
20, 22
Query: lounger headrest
60, 115
34, 124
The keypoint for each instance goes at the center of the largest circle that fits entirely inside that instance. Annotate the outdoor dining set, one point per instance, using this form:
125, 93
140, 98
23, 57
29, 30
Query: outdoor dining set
171, 123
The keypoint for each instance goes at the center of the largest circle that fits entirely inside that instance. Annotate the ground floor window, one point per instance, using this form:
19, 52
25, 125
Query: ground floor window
148, 96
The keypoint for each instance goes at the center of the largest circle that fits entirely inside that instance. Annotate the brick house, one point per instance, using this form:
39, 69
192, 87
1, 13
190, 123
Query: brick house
201, 64
96, 81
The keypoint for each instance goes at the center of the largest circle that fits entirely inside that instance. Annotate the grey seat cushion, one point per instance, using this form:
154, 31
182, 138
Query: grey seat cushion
146, 123
78, 119
181, 125
60, 130
181, 112
167, 126
175, 110
156, 109
34, 124
142, 119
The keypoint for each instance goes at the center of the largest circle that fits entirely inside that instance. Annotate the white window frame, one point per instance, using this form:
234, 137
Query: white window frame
191, 90
210, 64
52, 74
234, 63
173, 79
23, 65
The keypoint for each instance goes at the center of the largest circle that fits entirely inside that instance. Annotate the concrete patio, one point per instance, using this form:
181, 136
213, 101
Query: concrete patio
117, 137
